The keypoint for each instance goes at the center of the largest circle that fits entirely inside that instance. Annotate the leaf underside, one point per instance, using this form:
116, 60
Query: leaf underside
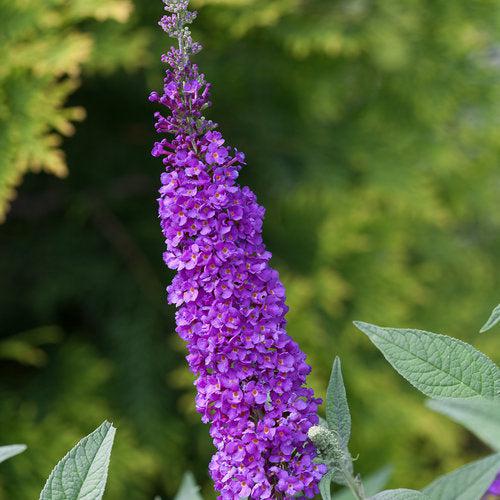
467, 483
325, 487
82, 473
399, 494
188, 489
493, 320
479, 416
10, 451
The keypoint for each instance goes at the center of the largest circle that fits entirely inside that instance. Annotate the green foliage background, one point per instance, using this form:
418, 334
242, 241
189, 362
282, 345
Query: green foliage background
372, 135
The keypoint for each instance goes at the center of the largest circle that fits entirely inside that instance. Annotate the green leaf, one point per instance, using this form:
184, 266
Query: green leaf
372, 484
322, 422
325, 485
11, 450
400, 494
480, 416
337, 409
469, 482
437, 365
492, 320
188, 489
82, 473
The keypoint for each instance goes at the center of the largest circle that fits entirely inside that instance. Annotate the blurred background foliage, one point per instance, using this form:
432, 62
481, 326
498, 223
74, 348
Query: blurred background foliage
372, 134
44, 46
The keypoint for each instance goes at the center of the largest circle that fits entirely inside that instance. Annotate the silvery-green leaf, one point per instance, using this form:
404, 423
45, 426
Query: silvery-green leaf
188, 489
400, 494
325, 486
437, 365
492, 320
82, 473
322, 422
467, 483
10, 451
372, 484
341, 468
480, 416
337, 409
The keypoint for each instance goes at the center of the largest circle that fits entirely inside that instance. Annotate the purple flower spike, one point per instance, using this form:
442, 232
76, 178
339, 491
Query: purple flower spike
231, 304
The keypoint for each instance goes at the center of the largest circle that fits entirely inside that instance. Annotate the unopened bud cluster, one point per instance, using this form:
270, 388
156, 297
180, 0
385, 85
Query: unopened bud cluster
327, 444
175, 25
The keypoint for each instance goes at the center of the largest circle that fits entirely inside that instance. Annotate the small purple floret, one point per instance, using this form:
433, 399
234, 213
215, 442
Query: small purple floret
494, 489
250, 374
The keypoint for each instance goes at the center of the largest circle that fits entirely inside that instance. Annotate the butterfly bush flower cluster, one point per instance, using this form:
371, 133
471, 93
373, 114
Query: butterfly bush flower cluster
231, 304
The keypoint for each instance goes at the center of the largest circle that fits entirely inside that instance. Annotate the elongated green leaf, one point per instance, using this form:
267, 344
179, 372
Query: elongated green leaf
188, 489
82, 473
467, 483
325, 486
322, 422
480, 416
400, 494
373, 484
492, 320
437, 365
10, 451
337, 409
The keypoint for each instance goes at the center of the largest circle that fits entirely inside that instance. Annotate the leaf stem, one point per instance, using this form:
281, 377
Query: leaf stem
354, 485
